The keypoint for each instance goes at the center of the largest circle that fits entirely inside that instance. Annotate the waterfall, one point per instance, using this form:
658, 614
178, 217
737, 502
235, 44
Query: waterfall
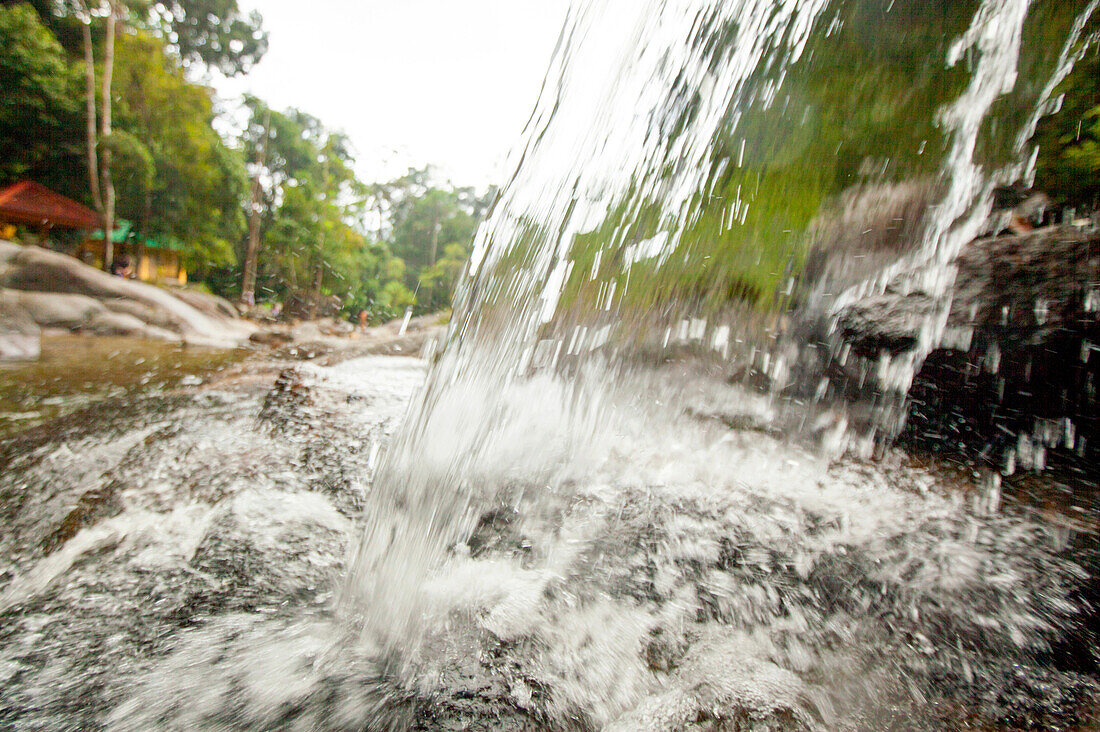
657, 119
621, 500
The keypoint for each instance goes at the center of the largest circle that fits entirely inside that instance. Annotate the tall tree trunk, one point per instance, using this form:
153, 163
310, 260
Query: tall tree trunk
92, 138
435, 239
315, 291
248, 278
106, 184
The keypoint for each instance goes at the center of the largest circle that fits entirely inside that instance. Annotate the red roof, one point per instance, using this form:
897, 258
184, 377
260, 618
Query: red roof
28, 202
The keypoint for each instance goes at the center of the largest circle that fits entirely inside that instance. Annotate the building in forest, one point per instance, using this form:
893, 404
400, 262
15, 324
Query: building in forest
154, 259
35, 207
40, 211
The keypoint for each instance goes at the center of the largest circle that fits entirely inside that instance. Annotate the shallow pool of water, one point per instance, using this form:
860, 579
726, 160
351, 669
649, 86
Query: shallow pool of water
76, 370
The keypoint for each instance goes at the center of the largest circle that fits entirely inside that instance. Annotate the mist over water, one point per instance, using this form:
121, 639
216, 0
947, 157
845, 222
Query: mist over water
633, 492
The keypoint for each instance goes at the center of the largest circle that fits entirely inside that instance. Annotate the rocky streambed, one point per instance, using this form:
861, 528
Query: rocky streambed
130, 521
178, 557
175, 561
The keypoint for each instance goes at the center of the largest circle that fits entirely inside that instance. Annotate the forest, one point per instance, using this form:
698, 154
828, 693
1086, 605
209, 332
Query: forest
264, 204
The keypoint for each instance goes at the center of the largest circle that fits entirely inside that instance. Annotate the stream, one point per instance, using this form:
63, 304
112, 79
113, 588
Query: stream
646, 481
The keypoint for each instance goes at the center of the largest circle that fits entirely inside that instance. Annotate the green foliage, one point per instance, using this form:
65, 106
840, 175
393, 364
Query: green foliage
177, 179
432, 230
1068, 166
40, 114
174, 175
215, 33
311, 206
862, 107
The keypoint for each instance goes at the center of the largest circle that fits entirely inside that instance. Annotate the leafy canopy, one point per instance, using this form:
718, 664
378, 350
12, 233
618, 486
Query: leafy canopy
40, 116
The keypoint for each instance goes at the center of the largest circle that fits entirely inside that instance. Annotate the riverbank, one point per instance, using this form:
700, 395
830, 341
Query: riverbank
75, 370
42, 290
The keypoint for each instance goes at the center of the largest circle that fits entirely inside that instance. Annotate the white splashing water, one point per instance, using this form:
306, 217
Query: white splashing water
633, 548
594, 134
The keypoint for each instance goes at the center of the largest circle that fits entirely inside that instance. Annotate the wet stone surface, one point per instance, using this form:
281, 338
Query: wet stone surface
132, 520
178, 569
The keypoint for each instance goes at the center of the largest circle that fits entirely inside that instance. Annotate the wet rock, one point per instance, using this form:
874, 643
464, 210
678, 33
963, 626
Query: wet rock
868, 227
271, 338
207, 303
1029, 698
1016, 288
287, 405
79, 313
60, 291
71, 312
148, 316
93, 505
263, 548
497, 530
1028, 285
1014, 384
121, 324
888, 323
20, 336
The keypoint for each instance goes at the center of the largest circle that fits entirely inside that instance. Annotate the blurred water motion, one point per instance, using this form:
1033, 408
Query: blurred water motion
631, 493
707, 193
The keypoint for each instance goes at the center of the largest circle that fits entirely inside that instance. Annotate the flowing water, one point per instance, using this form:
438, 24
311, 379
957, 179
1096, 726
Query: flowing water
633, 491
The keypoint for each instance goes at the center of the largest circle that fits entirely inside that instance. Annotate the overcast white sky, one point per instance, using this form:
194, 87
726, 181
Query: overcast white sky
446, 82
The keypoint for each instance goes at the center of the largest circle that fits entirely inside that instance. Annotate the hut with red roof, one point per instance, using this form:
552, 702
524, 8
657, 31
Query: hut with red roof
31, 204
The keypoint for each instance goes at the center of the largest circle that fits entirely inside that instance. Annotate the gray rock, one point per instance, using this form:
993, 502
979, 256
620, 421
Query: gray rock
890, 323
20, 336
106, 322
1019, 288
209, 304
271, 337
1028, 287
48, 310
141, 311
75, 296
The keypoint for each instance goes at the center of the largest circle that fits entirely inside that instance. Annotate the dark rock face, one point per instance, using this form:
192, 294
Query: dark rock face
889, 323
1016, 386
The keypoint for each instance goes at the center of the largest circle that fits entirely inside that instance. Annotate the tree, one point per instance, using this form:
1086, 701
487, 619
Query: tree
432, 232
213, 32
40, 117
100, 182
304, 207
280, 147
176, 177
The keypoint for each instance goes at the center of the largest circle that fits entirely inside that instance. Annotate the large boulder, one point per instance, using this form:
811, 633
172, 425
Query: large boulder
20, 336
80, 313
207, 303
1015, 383
60, 291
1015, 289
49, 310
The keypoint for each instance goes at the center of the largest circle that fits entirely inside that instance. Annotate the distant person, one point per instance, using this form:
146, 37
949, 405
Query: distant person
121, 266
364, 317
